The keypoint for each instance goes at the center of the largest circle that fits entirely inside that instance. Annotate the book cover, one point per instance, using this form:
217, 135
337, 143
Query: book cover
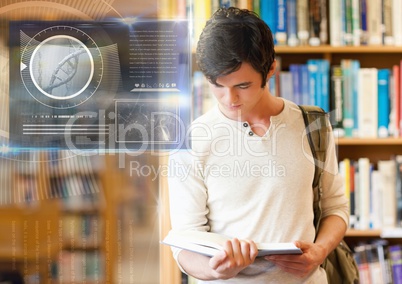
312, 66
256, 6
285, 85
356, 193
348, 35
398, 189
244, 4
225, 3
335, 24
376, 200
281, 24
387, 169
302, 17
397, 99
383, 102
198, 78
345, 171
355, 67
364, 193
395, 254
304, 84
294, 70
315, 22
269, 14
209, 244
215, 5
323, 23
375, 268
400, 97
387, 22
348, 102
381, 246
324, 71
363, 22
368, 103
355, 22
202, 12
336, 101
374, 25
360, 256
291, 23
397, 21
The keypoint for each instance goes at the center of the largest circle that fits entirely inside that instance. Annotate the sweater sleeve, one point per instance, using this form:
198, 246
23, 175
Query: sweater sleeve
187, 194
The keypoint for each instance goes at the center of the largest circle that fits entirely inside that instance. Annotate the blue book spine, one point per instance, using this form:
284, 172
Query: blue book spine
395, 253
343, 21
383, 102
318, 85
286, 87
268, 13
304, 83
363, 22
281, 25
292, 23
348, 114
312, 80
272, 86
355, 66
225, 3
294, 69
324, 71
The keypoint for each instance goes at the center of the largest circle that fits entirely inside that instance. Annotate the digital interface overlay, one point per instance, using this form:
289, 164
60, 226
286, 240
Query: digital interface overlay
99, 85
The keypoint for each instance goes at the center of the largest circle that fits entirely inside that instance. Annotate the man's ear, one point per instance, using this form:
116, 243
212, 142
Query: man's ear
272, 70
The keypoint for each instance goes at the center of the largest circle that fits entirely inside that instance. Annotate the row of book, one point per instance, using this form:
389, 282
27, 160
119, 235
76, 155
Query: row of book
379, 263
66, 162
363, 102
80, 267
81, 231
313, 22
77, 192
374, 192
304, 83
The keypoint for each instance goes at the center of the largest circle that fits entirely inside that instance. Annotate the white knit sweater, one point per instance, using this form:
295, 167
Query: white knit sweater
253, 187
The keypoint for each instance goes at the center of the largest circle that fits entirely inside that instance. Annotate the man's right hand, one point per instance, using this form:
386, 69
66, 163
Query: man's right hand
235, 256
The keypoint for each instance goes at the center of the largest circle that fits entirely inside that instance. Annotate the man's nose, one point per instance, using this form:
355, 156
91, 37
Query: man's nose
231, 96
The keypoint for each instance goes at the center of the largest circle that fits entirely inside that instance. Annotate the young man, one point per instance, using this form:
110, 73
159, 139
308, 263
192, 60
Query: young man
251, 169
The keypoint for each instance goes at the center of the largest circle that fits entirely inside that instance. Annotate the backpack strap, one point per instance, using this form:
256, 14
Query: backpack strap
317, 129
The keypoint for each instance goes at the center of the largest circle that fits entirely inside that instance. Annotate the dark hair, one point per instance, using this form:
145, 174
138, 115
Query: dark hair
233, 36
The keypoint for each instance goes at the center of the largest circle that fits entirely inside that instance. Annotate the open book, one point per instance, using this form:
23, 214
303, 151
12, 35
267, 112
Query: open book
209, 243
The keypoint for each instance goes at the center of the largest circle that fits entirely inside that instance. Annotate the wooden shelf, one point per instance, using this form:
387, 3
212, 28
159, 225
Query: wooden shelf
338, 49
82, 247
369, 141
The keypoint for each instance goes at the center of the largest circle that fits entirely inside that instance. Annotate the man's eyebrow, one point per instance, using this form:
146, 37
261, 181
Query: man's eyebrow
237, 85
243, 84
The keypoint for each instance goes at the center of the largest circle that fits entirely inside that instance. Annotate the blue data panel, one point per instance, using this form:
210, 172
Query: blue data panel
99, 85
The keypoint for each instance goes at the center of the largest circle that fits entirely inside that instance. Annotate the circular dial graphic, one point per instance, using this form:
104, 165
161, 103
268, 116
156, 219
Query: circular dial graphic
61, 67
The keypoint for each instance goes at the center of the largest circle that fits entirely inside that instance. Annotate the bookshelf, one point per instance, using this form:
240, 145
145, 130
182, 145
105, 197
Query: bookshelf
389, 54
29, 219
375, 149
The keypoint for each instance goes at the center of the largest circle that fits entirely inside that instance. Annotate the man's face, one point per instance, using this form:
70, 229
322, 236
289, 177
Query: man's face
239, 92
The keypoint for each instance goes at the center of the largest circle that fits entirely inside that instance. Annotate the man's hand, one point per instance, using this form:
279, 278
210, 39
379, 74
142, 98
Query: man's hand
301, 265
237, 255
